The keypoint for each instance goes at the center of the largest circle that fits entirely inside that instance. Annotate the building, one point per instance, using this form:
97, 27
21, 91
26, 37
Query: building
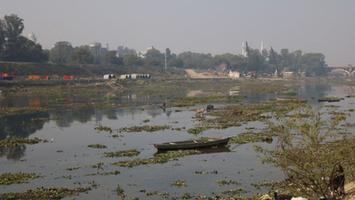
234, 75
97, 51
262, 47
245, 49
124, 51
288, 74
142, 54
134, 76
109, 76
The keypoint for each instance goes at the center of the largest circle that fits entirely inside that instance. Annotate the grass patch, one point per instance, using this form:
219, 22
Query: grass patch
16, 178
157, 159
330, 99
146, 128
197, 130
191, 101
235, 192
227, 182
15, 141
126, 153
72, 168
179, 183
97, 146
43, 193
232, 116
104, 129
248, 137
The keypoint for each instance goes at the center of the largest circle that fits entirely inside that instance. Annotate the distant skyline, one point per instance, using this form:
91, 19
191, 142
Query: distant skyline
208, 26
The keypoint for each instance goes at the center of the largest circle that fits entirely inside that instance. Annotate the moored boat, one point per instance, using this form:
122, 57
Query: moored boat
193, 144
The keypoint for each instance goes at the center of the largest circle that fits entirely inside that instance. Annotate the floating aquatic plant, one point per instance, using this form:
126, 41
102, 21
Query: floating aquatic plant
97, 146
16, 178
43, 193
125, 153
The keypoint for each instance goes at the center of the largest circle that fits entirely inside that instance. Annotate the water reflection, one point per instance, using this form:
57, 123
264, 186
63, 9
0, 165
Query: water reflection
22, 125
314, 91
13, 153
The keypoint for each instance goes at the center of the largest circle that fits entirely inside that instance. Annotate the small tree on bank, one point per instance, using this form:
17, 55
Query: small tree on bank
307, 152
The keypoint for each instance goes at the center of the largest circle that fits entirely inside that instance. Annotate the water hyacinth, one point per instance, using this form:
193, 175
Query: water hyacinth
179, 183
146, 128
126, 153
16, 178
158, 158
43, 193
97, 146
15, 141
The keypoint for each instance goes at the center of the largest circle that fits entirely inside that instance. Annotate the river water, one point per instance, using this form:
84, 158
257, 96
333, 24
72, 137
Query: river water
70, 131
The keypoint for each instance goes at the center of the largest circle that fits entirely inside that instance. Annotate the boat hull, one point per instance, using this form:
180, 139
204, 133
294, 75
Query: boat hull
192, 144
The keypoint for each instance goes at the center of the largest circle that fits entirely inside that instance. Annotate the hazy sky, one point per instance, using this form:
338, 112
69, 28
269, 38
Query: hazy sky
215, 26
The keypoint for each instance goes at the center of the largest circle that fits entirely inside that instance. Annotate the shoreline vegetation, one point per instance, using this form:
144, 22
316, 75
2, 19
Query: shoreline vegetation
281, 116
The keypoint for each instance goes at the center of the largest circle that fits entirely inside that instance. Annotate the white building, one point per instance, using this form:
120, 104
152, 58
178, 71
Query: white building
142, 54
245, 49
109, 76
288, 74
234, 75
134, 76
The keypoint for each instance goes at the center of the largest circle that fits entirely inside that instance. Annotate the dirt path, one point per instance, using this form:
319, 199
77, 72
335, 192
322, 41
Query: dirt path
194, 74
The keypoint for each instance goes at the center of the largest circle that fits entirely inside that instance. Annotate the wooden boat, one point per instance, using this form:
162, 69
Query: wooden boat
192, 144
213, 150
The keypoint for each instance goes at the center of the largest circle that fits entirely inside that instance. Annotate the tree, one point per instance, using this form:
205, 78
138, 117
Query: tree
82, 55
131, 60
236, 62
274, 60
12, 27
285, 60
15, 47
307, 153
197, 60
30, 51
2, 37
255, 61
123, 51
111, 58
174, 61
297, 55
313, 64
167, 53
61, 53
154, 57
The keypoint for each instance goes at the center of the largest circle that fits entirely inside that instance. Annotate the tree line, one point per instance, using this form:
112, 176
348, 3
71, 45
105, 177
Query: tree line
15, 47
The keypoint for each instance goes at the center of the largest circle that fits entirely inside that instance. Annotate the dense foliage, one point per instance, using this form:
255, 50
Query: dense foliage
14, 46
308, 151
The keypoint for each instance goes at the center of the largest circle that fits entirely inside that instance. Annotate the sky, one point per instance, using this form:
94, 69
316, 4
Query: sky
208, 26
